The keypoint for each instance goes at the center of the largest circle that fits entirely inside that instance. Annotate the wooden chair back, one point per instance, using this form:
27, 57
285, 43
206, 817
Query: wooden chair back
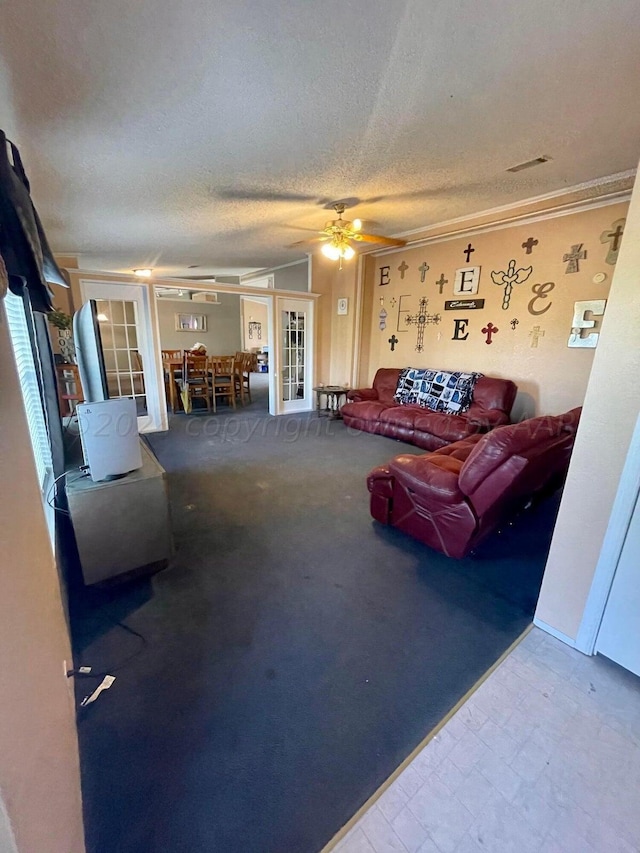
169, 354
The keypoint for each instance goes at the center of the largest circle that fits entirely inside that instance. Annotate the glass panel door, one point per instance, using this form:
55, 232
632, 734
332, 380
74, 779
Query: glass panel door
127, 344
295, 355
118, 322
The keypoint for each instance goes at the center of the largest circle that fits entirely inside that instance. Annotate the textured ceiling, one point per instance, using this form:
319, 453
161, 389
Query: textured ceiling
147, 126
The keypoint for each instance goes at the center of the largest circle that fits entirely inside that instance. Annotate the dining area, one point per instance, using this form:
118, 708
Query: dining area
196, 382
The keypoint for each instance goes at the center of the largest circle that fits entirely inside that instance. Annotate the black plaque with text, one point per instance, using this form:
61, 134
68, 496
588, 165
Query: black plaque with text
463, 304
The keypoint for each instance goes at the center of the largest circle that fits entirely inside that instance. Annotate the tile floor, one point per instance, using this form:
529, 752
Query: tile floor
544, 756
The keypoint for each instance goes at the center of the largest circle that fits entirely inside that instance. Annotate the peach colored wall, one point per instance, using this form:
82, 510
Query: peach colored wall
551, 378
335, 333
39, 768
611, 408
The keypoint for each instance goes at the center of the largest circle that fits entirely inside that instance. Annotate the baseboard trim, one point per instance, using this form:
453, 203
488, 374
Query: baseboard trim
554, 632
337, 838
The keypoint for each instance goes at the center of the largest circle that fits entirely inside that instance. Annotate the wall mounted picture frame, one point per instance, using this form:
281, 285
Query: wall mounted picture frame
343, 305
467, 281
191, 322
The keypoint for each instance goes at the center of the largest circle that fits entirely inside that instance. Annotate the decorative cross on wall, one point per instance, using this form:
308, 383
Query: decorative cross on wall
468, 251
424, 266
441, 282
535, 334
490, 330
403, 268
393, 341
529, 244
613, 238
508, 278
515, 322
574, 257
422, 319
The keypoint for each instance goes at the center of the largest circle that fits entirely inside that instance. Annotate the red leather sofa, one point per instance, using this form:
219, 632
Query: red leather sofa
453, 498
375, 410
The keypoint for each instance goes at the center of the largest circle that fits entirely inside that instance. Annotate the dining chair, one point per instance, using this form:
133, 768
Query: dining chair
242, 368
168, 354
196, 380
222, 376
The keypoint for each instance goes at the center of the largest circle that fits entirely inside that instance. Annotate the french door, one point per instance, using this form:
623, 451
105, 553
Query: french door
294, 334
125, 330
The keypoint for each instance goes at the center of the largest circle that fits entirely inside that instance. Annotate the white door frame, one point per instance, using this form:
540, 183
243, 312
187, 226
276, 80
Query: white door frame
268, 301
139, 293
275, 354
612, 545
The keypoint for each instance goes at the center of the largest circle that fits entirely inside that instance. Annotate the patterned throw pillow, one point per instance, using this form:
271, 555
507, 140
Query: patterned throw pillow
438, 390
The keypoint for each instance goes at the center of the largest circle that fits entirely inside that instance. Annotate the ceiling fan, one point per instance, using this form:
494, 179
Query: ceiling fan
337, 234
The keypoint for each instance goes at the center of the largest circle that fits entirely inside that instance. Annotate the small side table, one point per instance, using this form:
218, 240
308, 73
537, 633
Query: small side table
335, 395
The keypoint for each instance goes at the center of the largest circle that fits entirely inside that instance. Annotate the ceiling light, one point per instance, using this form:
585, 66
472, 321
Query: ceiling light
357, 224
331, 251
143, 273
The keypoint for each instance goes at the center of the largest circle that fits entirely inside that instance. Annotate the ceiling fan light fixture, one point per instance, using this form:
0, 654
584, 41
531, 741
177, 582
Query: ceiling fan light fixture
356, 224
347, 252
331, 251
143, 273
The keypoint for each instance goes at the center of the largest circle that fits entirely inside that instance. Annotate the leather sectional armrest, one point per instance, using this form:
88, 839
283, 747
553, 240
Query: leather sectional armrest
485, 421
380, 481
359, 395
427, 475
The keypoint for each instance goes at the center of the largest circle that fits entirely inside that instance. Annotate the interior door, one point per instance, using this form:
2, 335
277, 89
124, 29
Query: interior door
295, 355
123, 316
619, 635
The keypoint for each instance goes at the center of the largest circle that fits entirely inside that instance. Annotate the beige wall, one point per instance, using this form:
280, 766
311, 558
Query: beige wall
223, 335
39, 769
611, 408
336, 333
552, 377
256, 312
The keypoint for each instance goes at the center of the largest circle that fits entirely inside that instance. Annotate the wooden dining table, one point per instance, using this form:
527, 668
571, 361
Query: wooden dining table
174, 370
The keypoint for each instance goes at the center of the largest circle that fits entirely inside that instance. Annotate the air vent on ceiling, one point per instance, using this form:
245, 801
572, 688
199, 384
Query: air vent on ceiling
537, 161
205, 296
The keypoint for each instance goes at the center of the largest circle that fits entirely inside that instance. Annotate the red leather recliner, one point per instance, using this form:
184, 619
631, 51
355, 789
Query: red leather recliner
453, 498
375, 410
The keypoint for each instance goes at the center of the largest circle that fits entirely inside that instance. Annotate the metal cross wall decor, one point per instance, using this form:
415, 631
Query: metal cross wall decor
422, 319
529, 244
573, 258
403, 268
424, 266
392, 342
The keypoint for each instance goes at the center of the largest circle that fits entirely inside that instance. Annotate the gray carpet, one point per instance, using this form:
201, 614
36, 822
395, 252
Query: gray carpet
295, 651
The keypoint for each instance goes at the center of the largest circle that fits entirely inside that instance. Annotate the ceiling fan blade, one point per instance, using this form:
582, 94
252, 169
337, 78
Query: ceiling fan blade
309, 242
255, 194
376, 238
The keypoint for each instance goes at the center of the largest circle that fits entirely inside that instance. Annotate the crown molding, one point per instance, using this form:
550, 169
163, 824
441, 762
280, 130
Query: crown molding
505, 217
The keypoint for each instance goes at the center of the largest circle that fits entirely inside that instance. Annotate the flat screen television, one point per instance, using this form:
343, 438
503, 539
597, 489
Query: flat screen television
86, 335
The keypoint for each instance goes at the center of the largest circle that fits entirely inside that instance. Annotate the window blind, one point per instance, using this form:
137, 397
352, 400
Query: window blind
28, 368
